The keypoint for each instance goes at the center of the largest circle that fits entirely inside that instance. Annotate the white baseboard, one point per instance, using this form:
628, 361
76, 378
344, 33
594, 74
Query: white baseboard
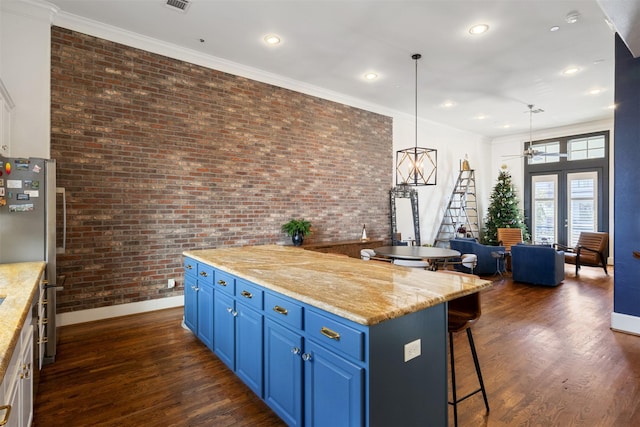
101, 313
625, 323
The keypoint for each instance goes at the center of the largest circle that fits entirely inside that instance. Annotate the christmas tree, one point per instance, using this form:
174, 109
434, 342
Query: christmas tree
503, 210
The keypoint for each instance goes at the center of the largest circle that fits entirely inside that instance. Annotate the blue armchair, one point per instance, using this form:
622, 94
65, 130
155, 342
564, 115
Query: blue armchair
537, 264
487, 264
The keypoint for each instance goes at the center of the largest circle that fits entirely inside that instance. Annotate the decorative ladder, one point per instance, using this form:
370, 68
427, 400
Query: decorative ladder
461, 210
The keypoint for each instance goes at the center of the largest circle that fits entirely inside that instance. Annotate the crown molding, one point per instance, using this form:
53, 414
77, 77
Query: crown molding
31, 8
4, 94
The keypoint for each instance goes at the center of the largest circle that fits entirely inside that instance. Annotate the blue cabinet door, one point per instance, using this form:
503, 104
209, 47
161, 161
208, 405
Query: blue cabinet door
205, 313
283, 372
249, 347
191, 302
224, 313
333, 389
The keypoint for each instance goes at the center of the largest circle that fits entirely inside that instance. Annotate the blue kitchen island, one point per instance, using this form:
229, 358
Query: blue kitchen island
327, 340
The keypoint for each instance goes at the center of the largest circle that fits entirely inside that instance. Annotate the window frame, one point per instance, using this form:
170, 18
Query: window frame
564, 166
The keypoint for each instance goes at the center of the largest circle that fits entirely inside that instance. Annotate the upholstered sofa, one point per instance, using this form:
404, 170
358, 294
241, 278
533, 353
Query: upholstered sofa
487, 263
537, 264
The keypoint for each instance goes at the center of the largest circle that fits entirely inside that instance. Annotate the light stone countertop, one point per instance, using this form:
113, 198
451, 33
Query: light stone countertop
19, 283
366, 292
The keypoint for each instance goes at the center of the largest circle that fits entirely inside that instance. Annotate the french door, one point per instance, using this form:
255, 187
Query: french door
564, 204
566, 190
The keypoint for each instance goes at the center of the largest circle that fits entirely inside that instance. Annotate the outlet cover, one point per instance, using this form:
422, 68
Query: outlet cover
171, 283
412, 350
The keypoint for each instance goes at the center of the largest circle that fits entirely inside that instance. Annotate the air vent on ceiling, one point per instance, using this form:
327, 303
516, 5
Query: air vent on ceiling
179, 5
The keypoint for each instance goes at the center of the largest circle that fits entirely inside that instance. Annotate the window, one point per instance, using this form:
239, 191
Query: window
583, 200
590, 147
550, 152
545, 209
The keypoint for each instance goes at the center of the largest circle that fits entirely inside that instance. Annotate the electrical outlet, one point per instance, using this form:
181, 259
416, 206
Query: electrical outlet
412, 350
171, 283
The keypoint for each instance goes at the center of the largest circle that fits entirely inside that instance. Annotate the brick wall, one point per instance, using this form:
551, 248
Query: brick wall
159, 156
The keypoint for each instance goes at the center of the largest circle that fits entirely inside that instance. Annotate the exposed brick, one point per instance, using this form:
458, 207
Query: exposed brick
159, 156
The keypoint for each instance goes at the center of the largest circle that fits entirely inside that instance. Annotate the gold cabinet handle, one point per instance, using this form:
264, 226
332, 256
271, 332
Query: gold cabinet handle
204, 274
222, 282
280, 310
5, 420
43, 340
329, 333
188, 267
246, 294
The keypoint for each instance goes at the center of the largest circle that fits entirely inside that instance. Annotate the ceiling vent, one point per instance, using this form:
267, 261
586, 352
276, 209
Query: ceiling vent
179, 5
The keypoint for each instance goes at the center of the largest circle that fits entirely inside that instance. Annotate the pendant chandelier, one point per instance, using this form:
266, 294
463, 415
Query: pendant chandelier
416, 165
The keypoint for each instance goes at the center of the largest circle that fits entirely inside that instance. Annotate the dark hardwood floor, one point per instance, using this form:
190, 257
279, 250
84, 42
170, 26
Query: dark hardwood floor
547, 354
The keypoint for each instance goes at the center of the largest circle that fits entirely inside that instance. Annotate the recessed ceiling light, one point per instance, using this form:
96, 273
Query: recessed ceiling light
570, 71
554, 28
507, 126
480, 117
370, 76
595, 91
272, 39
448, 104
572, 17
478, 29
612, 107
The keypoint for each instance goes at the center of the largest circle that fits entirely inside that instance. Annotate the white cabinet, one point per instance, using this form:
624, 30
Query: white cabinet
26, 378
16, 389
6, 105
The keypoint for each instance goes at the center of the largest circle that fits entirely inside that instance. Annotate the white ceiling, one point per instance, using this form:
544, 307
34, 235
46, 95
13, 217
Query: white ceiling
331, 45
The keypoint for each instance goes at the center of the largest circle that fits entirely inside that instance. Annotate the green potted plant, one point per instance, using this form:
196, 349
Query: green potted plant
297, 229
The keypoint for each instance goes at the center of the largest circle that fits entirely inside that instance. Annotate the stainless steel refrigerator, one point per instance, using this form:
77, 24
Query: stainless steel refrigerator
28, 230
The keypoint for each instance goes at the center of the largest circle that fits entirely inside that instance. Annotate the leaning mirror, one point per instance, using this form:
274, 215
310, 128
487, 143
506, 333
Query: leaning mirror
403, 202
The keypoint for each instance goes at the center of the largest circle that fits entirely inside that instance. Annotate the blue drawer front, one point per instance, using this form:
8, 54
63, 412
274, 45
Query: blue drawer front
190, 267
205, 273
225, 282
283, 310
249, 294
336, 335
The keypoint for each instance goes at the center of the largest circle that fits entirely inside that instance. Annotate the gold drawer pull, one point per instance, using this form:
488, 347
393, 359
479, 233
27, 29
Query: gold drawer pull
222, 282
43, 340
5, 420
280, 310
188, 267
204, 274
246, 294
330, 334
